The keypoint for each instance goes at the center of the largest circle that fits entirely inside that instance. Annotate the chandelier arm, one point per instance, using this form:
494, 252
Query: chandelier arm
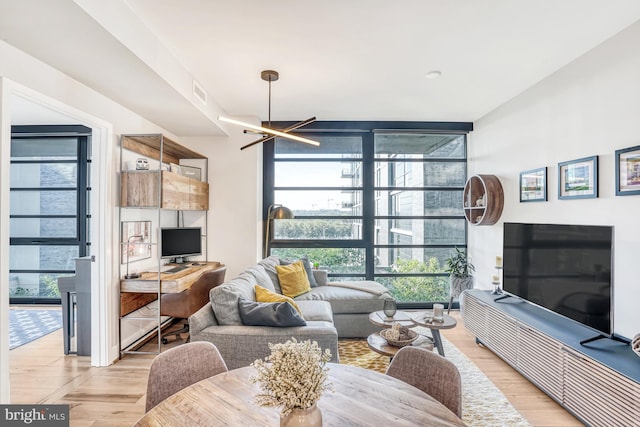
289, 129
258, 141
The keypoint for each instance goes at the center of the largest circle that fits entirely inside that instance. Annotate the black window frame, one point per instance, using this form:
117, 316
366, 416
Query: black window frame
82, 189
366, 130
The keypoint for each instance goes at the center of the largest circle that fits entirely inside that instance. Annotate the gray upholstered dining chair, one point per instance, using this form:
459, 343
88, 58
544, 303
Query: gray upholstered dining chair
181, 366
431, 373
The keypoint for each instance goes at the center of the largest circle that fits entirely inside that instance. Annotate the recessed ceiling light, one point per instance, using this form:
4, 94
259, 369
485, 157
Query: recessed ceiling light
433, 74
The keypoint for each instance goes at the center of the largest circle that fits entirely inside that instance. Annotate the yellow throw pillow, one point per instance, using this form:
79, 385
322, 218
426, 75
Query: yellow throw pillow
265, 295
293, 279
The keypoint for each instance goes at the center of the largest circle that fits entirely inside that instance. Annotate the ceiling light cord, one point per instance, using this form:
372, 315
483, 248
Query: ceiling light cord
269, 109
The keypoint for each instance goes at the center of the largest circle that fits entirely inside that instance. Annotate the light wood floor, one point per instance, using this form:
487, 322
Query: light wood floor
114, 395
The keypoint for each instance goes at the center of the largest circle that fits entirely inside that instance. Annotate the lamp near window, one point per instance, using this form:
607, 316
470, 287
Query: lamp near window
129, 241
274, 212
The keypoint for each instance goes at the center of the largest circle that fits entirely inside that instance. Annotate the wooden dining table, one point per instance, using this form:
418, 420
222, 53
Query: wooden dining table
360, 397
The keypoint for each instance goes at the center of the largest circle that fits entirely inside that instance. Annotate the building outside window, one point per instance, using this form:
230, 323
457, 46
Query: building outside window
383, 205
48, 215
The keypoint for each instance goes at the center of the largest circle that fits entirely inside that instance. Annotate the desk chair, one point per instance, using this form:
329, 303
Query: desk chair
431, 373
184, 304
179, 367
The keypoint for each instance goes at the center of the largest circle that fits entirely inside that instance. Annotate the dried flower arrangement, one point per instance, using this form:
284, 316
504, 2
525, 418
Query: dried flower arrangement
293, 376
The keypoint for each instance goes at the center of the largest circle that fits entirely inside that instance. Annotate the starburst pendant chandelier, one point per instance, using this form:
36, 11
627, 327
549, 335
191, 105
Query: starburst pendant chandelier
268, 133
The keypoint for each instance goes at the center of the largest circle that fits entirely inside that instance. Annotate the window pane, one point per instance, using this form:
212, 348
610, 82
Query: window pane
330, 146
34, 284
416, 145
42, 257
420, 174
411, 260
418, 288
44, 148
318, 174
317, 229
335, 260
43, 202
34, 175
321, 202
43, 227
420, 232
419, 203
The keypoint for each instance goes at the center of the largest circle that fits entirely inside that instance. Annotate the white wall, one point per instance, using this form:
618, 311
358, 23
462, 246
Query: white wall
235, 196
590, 107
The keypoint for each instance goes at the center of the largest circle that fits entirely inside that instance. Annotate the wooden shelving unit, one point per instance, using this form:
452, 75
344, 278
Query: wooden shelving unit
146, 195
140, 189
483, 199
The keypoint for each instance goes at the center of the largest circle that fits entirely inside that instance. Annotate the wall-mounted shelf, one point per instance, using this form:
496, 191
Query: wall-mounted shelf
483, 199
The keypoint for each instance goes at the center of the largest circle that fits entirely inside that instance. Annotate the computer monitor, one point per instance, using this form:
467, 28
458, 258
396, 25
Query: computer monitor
180, 242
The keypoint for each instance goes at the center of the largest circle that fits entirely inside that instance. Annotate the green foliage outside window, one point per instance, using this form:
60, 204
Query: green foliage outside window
404, 289
343, 260
417, 289
314, 229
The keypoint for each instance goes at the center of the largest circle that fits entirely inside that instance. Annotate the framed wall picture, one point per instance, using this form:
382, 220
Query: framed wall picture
628, 171
578, 179
533, 185
135, 241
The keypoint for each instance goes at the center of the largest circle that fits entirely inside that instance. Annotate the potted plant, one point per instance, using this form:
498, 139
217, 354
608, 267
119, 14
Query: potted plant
460, 274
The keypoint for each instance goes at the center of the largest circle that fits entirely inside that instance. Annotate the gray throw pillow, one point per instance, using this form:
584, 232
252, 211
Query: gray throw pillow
307, 268
280, 314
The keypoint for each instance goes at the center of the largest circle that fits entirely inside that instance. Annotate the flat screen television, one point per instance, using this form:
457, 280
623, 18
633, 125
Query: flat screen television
563, 268
180, 243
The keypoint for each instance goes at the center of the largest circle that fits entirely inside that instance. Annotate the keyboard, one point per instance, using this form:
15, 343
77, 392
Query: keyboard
176, 269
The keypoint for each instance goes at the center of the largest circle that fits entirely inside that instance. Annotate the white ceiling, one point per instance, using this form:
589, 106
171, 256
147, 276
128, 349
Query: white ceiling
338, 60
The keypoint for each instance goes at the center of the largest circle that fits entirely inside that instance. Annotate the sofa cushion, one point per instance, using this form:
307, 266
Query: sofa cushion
224, 299
293, 279
265, 295
278, 314
321, 277
316, 310
307, 268
269, 265
344, 299
261, 277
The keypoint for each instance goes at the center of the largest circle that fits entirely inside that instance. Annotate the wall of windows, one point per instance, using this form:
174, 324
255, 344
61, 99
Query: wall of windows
383, 202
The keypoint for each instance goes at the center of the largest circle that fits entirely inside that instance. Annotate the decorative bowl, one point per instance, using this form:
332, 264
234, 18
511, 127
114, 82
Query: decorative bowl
635, 344
407, 336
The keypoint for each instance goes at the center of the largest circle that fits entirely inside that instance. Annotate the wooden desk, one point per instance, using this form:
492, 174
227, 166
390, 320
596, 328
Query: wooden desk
136, 293
362, 398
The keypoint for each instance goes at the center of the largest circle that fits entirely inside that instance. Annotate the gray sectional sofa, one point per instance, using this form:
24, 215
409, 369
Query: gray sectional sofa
330, 309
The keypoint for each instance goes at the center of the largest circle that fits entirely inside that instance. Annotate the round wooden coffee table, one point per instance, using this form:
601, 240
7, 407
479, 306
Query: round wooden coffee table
378, 318
380, 345
423, 318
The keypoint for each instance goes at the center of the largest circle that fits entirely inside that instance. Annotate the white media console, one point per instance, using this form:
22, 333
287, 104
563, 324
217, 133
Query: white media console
598, 382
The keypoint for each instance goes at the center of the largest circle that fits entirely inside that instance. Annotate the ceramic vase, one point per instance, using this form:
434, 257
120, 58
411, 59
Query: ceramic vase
310, 417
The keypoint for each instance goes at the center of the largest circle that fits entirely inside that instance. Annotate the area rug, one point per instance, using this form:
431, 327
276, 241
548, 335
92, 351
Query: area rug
483, 405
28, 325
